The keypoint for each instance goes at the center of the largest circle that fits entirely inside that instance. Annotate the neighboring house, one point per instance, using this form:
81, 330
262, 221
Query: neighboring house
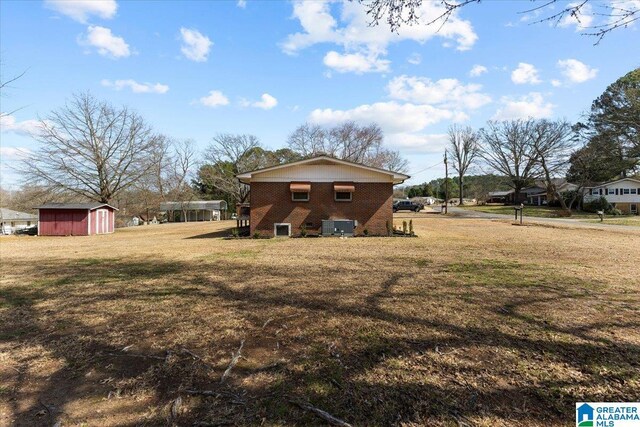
11, 220
537, 194
623, 194
506, 196
75, 219
196, 210
534, 195
323, 195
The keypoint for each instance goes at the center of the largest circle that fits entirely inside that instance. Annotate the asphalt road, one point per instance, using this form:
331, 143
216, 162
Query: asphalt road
456, 212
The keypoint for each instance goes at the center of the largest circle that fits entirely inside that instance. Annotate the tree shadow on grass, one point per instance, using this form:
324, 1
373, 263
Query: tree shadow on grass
395, 366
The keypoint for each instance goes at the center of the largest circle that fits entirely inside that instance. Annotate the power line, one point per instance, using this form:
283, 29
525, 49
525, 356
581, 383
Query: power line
427, 168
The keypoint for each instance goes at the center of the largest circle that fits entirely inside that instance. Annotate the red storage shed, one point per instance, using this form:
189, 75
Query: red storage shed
75, 219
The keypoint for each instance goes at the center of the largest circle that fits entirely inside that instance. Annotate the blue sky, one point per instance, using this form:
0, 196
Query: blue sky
194, 69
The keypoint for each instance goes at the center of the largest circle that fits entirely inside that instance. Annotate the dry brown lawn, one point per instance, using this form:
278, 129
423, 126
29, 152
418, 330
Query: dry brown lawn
475, 322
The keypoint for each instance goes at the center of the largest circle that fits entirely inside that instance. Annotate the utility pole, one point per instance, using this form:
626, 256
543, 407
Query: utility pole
446, 184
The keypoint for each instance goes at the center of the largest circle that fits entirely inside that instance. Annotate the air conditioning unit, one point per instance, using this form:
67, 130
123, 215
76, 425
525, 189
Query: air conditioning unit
338, 227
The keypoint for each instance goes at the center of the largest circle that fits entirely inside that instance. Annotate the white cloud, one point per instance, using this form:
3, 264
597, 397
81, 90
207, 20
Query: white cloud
135, 86
8, 123
214, 99
242, 4
576, 71
195, 45
392, 116
355, 62
266, 102
556, 83
449, 93
478, 70
532, 105
81, 10
13, 153
419, 143
415, 59
354, 34
583, 19
525, 73
622, 7
105, 42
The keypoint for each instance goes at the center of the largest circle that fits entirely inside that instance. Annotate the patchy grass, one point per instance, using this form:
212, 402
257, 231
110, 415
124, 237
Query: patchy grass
474, 322
617, 220
534, 211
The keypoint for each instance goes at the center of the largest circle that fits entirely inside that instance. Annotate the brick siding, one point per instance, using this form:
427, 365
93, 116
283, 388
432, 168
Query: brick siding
371, 206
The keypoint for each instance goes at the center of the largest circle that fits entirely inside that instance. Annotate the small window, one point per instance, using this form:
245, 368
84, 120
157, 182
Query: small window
612, 191
625, 191
300, 196
343, 196
634, 191
282, 229
634, 209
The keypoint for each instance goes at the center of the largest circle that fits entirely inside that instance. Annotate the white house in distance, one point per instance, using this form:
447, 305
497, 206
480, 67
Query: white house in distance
623, 194
11, 220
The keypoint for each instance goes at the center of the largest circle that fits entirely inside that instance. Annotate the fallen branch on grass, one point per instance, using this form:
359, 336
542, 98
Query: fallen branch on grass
322, 414
234, 360
235, 398
147, 356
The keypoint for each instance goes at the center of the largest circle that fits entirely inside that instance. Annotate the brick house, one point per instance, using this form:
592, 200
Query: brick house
322, 195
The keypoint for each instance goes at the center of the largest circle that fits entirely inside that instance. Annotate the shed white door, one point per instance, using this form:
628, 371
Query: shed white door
101, 217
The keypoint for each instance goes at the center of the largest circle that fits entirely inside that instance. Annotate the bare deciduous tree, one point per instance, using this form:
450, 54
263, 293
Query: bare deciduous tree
398, 13
347, 141
506, 147
463, 148
175, 162
552, 145
92, 149
229, 155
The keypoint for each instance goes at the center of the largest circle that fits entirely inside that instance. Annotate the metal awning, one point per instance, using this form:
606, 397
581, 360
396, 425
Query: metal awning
344, 187
300, 187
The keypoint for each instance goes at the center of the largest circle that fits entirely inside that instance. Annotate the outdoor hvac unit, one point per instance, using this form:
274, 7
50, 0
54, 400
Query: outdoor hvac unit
335, 227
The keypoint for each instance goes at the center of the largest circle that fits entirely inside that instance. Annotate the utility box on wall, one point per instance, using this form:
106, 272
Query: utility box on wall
338, 227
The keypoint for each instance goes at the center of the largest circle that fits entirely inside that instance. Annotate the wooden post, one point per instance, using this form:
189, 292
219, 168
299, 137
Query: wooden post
446, 184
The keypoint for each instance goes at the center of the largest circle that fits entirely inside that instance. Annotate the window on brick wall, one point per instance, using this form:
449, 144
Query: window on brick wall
300, 196
343, 196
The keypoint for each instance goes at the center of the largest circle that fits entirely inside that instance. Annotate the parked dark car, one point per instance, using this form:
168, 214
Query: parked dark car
29, 231
407, 205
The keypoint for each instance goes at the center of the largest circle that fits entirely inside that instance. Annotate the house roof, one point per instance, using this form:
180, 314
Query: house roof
11, 215
500, 193
89, 206
398, 178
604, 184
211, 205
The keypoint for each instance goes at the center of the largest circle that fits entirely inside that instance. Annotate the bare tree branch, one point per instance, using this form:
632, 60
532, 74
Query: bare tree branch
398, 13
92, 149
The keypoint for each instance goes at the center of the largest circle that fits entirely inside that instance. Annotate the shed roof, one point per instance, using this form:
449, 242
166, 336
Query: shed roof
211, 205
88, 206
9, 214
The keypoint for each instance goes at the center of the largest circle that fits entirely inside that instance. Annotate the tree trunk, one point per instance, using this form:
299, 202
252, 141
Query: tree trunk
461, 190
